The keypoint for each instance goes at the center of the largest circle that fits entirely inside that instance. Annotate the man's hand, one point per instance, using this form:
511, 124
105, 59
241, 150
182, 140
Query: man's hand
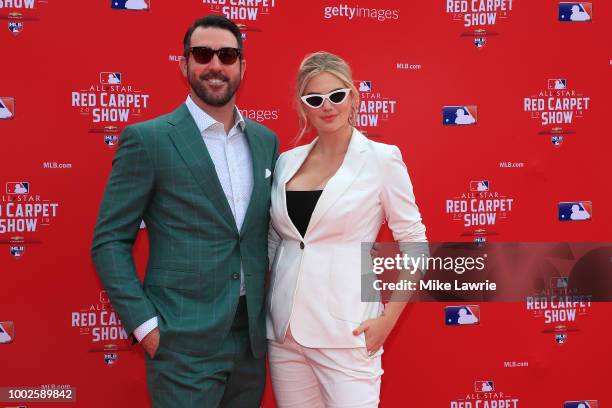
150, 342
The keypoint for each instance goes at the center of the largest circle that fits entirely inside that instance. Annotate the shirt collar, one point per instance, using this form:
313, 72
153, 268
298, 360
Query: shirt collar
204, 121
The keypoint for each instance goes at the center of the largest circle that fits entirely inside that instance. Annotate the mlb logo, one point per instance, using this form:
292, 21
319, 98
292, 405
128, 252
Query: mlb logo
110, 78
7, 107
365, 86
110, 140
480, 241
483, 386
575, 11
17, 187
462, 315
17, 250
104, 297
580, 404
557, 83
140, 5
15, 27
459, 115
559, 282
110, 358
479, 185
556, 140
561, 338
479, 42
7, 332
575, 211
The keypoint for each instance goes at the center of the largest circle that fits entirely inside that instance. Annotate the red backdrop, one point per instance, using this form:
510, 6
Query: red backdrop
410, 59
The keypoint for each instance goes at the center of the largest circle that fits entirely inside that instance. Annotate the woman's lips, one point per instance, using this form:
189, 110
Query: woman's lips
329, 118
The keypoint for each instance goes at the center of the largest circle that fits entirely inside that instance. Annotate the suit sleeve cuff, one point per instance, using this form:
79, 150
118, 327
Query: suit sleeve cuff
141, 331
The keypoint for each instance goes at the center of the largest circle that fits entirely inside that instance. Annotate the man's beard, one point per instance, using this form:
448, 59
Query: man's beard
211, 99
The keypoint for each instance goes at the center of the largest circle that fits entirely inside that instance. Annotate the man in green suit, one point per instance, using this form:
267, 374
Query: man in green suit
200, 178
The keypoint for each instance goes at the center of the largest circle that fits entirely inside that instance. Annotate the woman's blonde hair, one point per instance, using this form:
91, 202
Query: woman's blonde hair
314, 64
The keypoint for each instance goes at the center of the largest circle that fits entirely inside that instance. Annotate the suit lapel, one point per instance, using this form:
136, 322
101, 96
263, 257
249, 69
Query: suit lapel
293, 166
190, 145
257, 157
344, 177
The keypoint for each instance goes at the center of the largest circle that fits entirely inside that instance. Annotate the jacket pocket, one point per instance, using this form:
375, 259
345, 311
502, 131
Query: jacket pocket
173, 278
350, 294
344, 293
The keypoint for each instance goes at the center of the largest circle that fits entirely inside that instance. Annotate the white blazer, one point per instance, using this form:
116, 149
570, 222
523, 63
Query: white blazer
315, 281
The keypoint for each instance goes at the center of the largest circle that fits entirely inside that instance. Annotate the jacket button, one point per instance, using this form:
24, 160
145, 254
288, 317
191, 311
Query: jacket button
235, 275
302, 245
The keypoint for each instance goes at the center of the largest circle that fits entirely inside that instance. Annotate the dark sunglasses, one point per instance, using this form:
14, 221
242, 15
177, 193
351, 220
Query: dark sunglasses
316, 100
203, 55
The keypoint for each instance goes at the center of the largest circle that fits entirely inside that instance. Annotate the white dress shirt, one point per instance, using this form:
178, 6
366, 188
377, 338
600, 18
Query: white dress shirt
231, 156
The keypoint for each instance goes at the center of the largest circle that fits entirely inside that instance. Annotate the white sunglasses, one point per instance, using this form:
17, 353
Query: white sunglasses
316, 100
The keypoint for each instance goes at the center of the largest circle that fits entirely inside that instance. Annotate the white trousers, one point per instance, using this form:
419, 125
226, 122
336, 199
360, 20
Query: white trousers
323, 377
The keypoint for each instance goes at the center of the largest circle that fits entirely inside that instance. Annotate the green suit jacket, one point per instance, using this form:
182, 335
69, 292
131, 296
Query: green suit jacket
162, 173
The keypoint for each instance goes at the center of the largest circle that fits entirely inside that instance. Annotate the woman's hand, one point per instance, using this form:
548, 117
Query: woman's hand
376, 332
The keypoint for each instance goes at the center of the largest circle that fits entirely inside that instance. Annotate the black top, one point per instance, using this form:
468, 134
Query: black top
300, 205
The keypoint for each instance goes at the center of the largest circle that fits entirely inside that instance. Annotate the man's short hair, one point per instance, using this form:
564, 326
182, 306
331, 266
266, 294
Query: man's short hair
212, 20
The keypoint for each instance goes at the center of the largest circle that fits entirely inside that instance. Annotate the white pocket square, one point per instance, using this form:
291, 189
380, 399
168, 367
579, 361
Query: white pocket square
268, 173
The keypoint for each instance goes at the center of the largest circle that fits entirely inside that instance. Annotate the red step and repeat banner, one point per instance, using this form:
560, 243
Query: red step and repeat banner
498, 106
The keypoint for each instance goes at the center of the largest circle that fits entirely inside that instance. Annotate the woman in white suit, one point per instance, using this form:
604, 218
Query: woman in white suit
328, 197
